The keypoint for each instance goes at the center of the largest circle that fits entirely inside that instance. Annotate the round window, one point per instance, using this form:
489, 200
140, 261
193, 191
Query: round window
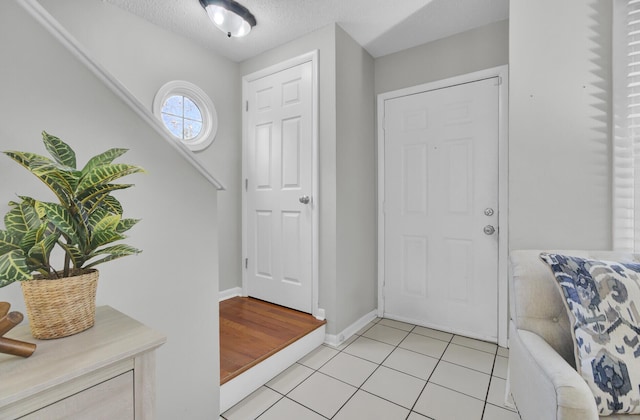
187, 113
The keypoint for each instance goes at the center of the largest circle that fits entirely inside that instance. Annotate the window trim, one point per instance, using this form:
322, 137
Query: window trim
202, 101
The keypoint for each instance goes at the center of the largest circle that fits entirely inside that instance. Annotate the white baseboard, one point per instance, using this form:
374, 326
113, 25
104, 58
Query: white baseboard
336, 340
229, 293
244, 384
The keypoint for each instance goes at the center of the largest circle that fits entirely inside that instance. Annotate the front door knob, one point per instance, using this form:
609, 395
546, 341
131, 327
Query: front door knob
489, 230
304, 199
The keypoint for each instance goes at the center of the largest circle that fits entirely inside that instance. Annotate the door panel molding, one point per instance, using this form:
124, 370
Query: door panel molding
312, 57
457, 114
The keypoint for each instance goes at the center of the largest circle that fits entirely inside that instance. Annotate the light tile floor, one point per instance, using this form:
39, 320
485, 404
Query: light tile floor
389, 370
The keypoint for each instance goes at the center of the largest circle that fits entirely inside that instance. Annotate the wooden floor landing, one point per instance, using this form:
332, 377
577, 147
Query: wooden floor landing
251, 330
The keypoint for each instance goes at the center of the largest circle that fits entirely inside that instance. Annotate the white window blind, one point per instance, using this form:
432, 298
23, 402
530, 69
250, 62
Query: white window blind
626, 136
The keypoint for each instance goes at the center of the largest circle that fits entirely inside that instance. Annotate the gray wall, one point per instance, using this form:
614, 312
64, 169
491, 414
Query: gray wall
347, 225
356, 286
470, 51
144, 57
559, 124
172, 285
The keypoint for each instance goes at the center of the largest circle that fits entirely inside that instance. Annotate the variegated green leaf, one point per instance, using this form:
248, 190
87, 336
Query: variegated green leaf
13, 267
26, 159
111, 204
96, 216
126, 224
40, 209
8, 242
77, 258
105, 237
28, 240
58, 184
61, 177
109, 222
103, 159
104, 174
41, 250
21, 219
99, 192
36, 235
60, 150
25, 199
84, 228
113, 252
62, 219
35, 204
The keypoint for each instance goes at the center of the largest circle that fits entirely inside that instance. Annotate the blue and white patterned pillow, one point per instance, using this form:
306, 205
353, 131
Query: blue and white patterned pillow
603, 299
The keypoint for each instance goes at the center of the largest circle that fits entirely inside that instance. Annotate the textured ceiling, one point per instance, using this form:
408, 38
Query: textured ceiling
380, 26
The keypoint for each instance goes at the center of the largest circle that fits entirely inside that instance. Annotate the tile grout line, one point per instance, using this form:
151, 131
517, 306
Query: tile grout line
357, 388
412, 330
301, 382
423, 354
486, 396
374, 371
440, 359
329, 376
428, 379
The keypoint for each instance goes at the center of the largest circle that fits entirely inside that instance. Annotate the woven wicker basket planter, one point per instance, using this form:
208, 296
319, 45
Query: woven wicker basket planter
61, 307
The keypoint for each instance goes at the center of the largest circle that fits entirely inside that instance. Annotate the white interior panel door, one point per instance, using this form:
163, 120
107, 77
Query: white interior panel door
441, 198
278, 188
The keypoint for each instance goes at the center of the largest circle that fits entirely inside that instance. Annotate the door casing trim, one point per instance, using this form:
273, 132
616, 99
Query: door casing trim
502, 72
312, 57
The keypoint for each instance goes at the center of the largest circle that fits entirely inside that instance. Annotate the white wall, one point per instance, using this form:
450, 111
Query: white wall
356, 290
559, 153
143, 57
473, 50
172, 286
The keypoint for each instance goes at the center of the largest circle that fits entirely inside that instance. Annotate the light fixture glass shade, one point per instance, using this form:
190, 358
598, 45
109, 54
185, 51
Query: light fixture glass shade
229, 16
227, 21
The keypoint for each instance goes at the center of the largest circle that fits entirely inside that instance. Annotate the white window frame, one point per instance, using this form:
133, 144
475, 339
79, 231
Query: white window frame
202, 101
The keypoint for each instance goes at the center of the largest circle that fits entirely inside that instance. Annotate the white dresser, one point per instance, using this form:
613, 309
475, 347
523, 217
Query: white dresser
105, 372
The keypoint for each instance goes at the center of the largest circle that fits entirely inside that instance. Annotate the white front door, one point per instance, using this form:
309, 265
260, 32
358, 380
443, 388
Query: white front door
279, 202
441, 192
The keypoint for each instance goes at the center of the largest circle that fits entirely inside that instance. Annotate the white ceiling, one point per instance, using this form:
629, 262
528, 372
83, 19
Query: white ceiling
380, 26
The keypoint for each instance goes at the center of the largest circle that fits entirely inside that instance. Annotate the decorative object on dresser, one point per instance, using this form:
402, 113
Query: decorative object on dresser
8, 320
106, 372
84, 224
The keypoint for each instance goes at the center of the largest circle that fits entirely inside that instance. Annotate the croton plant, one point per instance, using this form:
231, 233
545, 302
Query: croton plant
84, 223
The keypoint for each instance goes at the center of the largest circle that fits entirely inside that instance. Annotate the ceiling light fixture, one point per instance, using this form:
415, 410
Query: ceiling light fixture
230, 17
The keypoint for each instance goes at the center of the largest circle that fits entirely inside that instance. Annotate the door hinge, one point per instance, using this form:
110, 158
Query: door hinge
246, 105
246, 263
246, 184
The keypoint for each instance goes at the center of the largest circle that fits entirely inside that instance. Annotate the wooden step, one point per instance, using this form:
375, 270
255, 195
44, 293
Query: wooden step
252, 330
258, 340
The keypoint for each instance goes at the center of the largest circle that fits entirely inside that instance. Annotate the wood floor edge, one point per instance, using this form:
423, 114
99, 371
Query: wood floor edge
265, 356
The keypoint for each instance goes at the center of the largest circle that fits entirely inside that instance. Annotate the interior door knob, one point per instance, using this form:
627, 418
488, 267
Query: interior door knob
304, 199
489, 230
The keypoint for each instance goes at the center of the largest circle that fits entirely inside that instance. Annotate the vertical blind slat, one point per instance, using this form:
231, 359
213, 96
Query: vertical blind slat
626, 139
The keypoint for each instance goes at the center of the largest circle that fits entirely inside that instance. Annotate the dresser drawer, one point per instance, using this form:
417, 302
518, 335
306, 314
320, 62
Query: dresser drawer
112, 399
